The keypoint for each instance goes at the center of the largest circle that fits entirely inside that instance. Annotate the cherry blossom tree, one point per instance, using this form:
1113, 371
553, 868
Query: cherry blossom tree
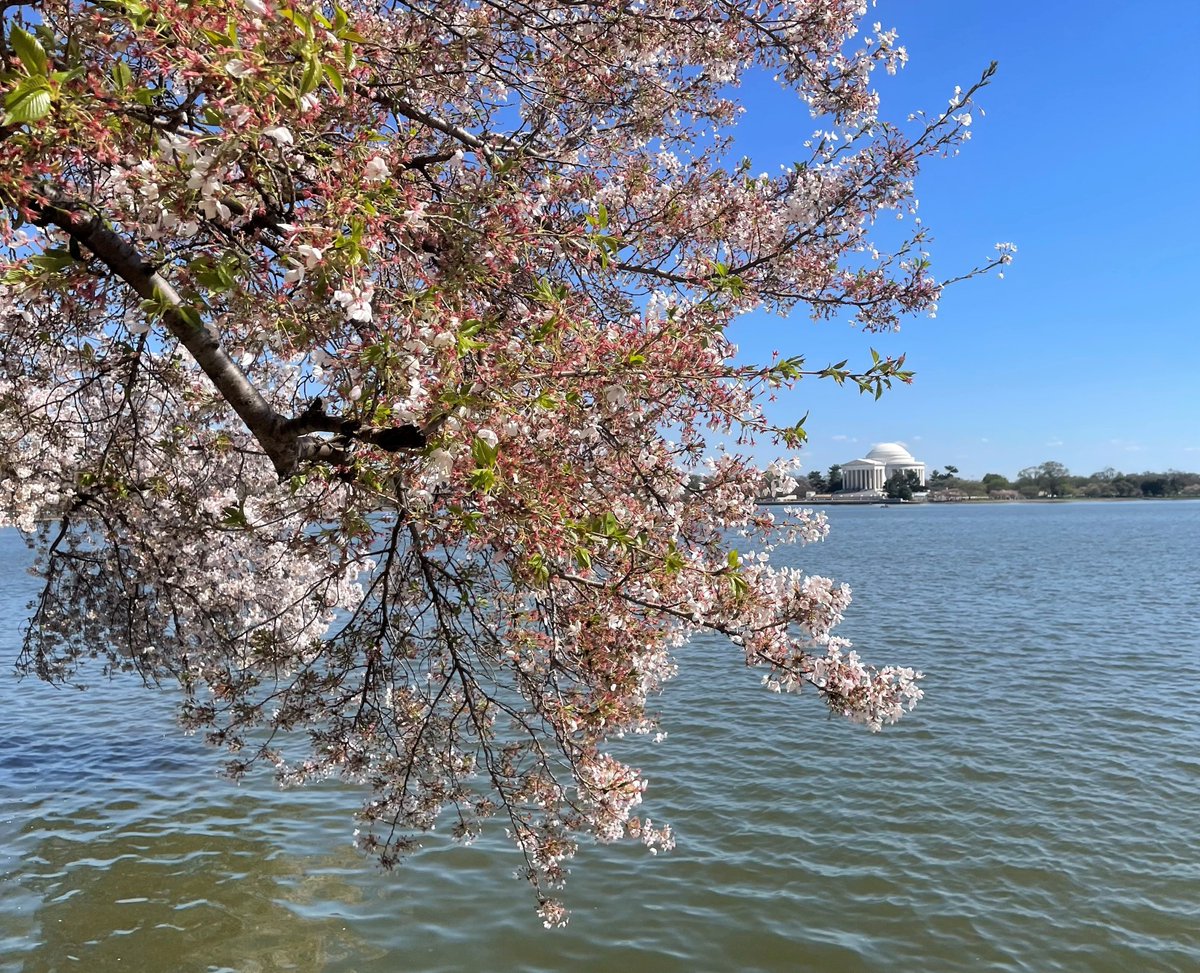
359, 360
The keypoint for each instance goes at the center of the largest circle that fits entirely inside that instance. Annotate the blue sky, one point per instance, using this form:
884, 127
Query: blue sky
1087, 159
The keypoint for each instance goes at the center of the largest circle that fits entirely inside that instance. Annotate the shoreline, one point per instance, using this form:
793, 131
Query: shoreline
827, 501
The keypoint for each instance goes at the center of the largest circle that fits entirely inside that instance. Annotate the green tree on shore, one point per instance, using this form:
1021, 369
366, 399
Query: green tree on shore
898, 486
1050, 478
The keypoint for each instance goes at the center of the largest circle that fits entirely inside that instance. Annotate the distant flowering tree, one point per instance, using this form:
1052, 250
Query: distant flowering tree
340, 349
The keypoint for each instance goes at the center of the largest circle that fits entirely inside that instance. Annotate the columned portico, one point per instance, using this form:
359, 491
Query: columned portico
863, 474
870, 474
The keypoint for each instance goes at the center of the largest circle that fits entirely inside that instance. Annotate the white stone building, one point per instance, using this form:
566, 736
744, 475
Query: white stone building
869, 475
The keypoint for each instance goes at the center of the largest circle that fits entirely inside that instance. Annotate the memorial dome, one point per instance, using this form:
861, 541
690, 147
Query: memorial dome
892, 454
870, 474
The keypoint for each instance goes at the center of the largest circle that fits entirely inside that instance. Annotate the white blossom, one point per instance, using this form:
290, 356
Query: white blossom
376, 170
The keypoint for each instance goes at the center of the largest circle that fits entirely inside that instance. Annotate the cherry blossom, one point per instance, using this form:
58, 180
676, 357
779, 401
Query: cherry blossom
363, 369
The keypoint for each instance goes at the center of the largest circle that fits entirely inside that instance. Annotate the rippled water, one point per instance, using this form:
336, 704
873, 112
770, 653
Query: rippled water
1038, 812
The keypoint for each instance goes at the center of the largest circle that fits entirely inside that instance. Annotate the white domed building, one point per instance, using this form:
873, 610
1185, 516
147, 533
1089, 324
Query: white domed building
868, 475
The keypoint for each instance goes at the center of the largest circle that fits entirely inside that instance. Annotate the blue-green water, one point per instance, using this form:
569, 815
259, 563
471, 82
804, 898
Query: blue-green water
1039, 811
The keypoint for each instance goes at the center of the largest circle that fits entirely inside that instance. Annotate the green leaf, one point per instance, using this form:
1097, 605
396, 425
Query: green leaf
484, 454
539, 569
731, 283
483, 480
29, 51
28, 102
297, 18
234, 516
54, 260
334, 76
313, 71
189, 315
738, 585
211, 280
465, 344
796, 435
122, 76
138, 13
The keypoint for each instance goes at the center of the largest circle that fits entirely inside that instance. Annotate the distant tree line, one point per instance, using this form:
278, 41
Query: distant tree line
1049, 479
830, 482
1053, 479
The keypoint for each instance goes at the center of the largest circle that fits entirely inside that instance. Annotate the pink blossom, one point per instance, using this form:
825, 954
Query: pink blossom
435, 496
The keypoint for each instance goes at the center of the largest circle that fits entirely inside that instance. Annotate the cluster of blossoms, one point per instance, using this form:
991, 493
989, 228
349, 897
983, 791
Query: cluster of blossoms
339, 345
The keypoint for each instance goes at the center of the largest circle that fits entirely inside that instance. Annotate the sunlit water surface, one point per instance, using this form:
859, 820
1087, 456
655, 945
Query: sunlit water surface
1040, 811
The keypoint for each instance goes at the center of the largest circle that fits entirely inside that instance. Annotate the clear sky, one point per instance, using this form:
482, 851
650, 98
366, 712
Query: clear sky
1088, 159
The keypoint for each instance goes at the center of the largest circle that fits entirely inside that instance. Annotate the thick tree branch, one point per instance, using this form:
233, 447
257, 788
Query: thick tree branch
287, 442
198, 337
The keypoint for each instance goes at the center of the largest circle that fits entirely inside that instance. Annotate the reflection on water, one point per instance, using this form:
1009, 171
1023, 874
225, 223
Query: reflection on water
166, 889
1037, 813
139, 860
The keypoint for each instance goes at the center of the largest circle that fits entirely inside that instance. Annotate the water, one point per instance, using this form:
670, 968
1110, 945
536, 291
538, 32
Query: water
1037, 812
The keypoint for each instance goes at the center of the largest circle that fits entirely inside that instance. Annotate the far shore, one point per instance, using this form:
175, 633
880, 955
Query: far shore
827, 500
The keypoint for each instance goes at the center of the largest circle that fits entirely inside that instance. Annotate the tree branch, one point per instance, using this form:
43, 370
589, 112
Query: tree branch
287, 442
